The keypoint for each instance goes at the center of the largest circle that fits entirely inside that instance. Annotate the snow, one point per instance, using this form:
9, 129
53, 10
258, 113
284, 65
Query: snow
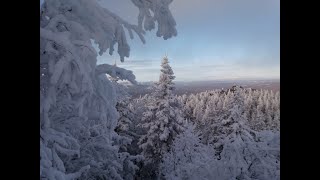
77, 100
90, 127
162, 121
188, 158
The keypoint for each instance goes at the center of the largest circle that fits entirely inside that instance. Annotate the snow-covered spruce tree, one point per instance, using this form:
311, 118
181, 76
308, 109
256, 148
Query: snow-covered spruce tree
273, 110
125, 117
248, 105
77, 100
188, 108
126, 126
276, 110
211, 118
188, 158
259, 121
162, 121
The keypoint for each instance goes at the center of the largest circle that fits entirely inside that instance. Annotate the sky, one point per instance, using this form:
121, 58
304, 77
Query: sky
217, 39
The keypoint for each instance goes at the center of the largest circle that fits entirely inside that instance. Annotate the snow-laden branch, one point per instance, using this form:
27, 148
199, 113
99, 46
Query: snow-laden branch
116, 72
105, 27
161, 14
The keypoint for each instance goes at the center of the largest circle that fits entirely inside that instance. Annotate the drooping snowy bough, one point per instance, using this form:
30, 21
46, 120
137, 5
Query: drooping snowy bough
77, 100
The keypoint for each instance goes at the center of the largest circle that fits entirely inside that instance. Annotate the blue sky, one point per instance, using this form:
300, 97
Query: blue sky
217, 39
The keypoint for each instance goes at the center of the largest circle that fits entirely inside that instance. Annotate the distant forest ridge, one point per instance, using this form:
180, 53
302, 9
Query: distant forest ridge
200, 86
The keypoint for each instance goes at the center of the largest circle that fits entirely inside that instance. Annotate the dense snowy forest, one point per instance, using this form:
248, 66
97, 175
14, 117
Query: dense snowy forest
91, 128
225, 134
